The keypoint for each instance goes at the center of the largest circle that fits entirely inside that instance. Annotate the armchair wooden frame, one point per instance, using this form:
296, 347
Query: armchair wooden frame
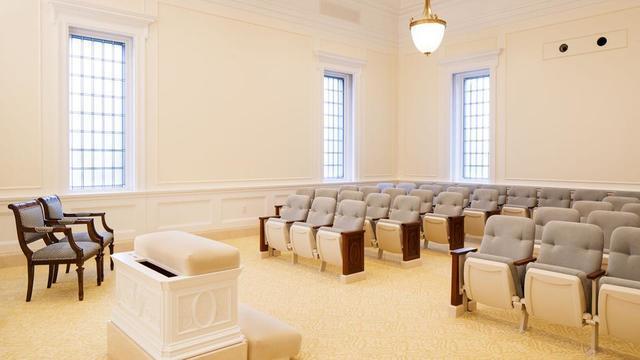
47, 235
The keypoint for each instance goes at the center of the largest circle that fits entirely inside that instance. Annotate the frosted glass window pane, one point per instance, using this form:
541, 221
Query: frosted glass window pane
475, 109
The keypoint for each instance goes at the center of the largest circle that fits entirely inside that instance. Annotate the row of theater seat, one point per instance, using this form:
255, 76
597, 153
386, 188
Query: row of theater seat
564, 285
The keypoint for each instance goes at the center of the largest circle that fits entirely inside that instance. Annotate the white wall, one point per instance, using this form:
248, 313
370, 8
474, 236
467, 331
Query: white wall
567, 121
232, 107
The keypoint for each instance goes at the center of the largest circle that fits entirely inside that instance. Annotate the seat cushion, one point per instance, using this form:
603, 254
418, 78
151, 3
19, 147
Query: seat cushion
518, 279
84, 237
619, 282
268, 337
63, 251
186, 254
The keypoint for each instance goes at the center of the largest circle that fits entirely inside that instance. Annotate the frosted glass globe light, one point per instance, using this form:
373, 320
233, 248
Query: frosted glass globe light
427, 32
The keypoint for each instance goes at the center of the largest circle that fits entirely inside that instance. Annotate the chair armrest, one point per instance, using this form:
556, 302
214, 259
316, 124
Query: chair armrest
596, 274
316, 227
352, 232
373, 219
269, 217
84, 214
277, 208
463, 251
524, 261
409, 224
69, 221
46, 229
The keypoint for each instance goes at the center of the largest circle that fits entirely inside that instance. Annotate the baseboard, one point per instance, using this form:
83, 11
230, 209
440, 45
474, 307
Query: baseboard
17, 259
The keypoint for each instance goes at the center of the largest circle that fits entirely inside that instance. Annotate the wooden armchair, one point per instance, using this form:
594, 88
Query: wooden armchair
31, 227
55, 215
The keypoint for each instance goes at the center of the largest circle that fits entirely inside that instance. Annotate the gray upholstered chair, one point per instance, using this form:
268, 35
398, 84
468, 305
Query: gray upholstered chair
542, 216
377, 208
588, 195
393, 192
625, 193
343, 244
484, 203
608, 221
277, 227
520, 201
31, 227
557, 287
350, 195
555, 197
400, 233
466, 194
435, 189
494, 275
619, 293
308, 191
632, 208
619, 201
302, 233
385, 185
366, 190
347, 187
55, 215
426, 199
447, 210
326, 192
407, 187
502, 192
585, 207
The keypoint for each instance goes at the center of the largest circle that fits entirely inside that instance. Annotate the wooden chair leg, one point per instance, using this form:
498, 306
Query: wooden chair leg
50, 278
55, 273
98, 265
80, 271
30, 269
111, 252
68, 268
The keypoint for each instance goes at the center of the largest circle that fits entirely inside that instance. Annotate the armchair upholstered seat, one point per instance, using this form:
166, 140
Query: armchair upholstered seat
555, 197
303, 234
276, 228
447, 214
619, 201
484, 203
520, 201
377, 208
585, 207
494, 275
342, 244
400, 233
54, 214
558, 286
31, 227
619, 290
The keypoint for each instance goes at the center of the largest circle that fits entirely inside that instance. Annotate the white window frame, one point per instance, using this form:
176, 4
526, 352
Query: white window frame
457, 118
106, 23
449, 67
347, 126
338, 64
129, 112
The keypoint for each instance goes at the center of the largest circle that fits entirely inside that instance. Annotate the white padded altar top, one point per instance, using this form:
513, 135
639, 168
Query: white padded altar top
186, 254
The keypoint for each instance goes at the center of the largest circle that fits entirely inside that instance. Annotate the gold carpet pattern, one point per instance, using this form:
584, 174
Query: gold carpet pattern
395, 313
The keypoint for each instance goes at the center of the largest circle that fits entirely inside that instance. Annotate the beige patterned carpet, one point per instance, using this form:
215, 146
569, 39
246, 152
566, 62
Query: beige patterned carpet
394, 314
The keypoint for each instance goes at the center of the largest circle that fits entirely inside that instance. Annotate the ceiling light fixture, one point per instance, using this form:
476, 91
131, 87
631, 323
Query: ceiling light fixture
427, 32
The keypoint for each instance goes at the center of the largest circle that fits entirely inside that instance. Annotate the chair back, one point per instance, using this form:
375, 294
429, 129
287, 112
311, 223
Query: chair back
619, 201
544, 215
350, 195
435, 189
52, 207
378, 205
393, 192
406, 186
508, 236
295, 208
308, 191
448, 204
322, 211
325, 192
522, 196
608, 221
405, 208
624, 254
589, 195
366, 190
572, 245
28, 215
350, 215
555, 197
485, 199
347, 187
426, 199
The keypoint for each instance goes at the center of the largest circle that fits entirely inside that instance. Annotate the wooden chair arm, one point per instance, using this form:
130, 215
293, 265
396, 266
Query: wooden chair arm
269, 217
462, 251
102, 215
352, 233
596, 274
524, 261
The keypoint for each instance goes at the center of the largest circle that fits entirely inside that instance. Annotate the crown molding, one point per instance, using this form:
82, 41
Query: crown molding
63, 7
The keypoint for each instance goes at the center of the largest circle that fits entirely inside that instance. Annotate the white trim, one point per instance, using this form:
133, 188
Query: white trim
449, 67
97, 20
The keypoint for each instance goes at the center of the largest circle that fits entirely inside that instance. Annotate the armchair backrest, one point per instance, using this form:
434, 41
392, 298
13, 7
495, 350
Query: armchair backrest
502, 192
378, 205
542, 216
52, 207
295, 208
322, 211
393, 192
406, 186
624, 254
27, 215
366, 190
585, 207
350, 215
522, 196
308, 191
485, 199
405, 208
619, 201
460, 189
448, 204
608, 221
572, 245
632, 208
508, 236
426, 199
435, 188
347, 187
350, 195
325, 192
555, 197
589, 195
383, 186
